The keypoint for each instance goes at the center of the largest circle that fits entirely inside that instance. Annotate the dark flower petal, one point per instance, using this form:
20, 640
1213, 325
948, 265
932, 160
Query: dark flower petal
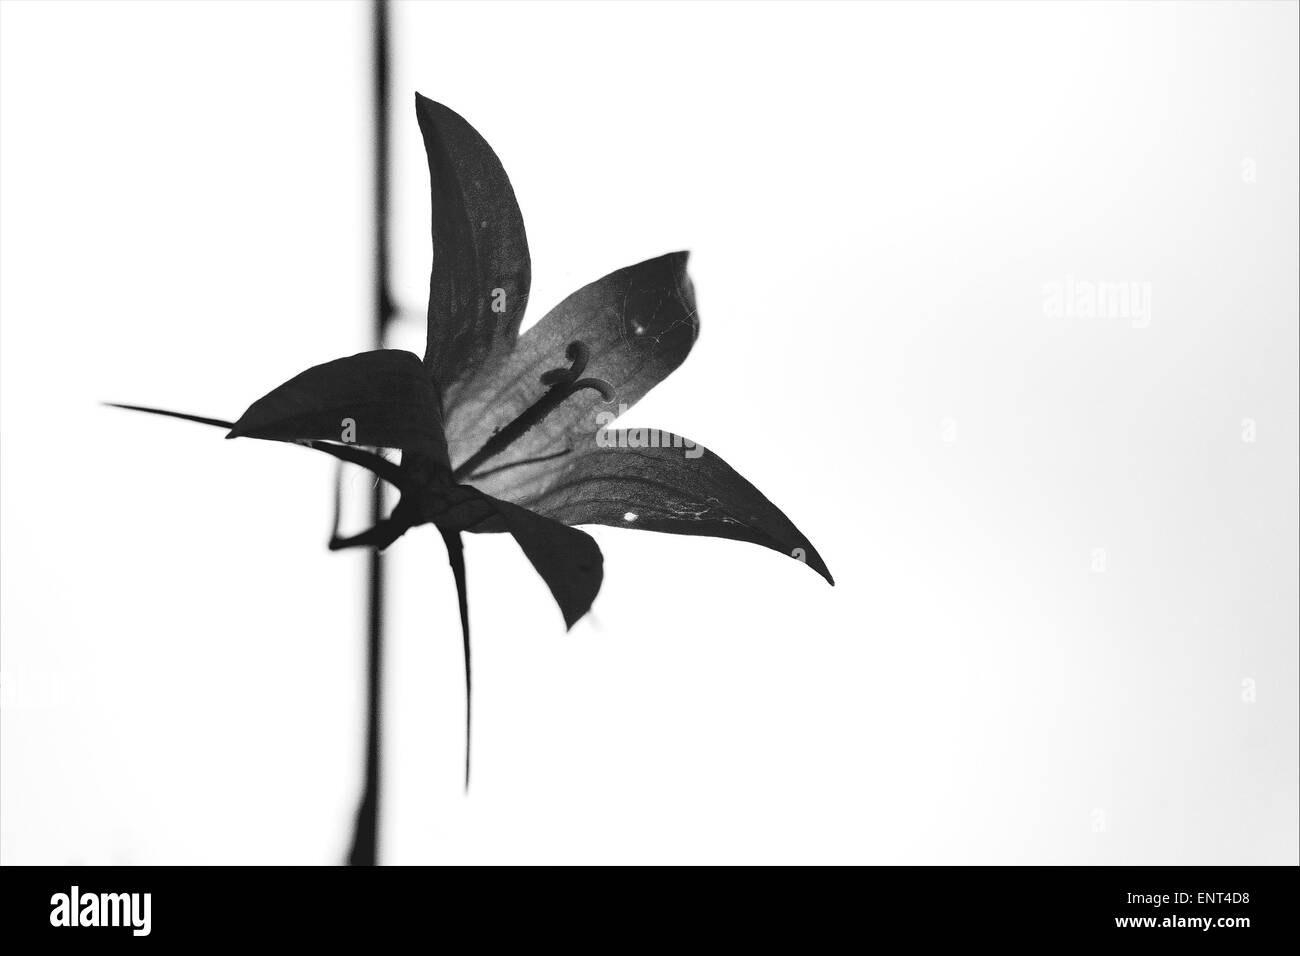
384, 398
677, 487
481, 269
568, 560
637, 325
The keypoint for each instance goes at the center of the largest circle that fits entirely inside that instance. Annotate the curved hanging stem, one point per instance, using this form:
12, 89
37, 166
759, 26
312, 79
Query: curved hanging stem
218, 422
380, 536
456, 557
376, 464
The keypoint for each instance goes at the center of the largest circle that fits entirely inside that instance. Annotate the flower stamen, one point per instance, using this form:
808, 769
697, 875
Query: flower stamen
561, 383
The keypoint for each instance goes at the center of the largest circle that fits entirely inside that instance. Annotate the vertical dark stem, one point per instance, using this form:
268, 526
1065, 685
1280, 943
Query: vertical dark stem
365, 841
456, 555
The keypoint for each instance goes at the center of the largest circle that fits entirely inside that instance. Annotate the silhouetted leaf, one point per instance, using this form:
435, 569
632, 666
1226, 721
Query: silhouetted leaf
637, 325
478, 285
382, 398
677, 487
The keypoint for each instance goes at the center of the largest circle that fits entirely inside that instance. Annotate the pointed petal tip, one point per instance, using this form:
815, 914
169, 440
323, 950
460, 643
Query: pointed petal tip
815, 562
679, 258
431, 108
572, 615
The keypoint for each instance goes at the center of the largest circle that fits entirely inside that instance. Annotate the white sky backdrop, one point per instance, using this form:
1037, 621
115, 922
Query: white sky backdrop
875, 197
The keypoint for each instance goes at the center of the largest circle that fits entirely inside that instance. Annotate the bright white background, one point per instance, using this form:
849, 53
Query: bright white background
875, 197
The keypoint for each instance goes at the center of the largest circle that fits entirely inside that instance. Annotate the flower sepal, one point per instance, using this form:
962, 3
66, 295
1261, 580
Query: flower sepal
385, 398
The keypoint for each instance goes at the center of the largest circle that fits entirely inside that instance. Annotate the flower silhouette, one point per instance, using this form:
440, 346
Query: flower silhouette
507, 433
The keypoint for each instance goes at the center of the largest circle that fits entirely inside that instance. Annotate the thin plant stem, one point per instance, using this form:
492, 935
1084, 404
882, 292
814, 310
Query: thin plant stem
365, 840
456, 557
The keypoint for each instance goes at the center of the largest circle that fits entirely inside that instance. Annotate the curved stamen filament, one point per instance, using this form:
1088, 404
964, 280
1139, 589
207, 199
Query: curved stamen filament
488, 472
561, 382
578, 355
599, 384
